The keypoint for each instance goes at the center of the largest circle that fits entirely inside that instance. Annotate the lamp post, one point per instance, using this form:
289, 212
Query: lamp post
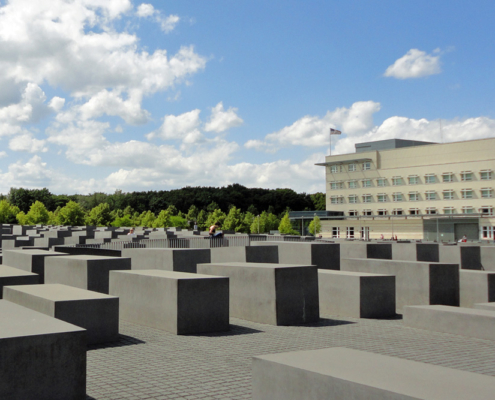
258, 224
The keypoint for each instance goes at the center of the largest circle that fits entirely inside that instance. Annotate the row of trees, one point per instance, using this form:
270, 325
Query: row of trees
72, 213
254, 200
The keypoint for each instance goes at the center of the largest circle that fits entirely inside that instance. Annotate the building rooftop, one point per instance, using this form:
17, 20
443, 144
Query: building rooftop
389, 144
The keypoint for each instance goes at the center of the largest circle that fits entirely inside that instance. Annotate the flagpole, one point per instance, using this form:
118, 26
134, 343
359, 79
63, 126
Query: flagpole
330, 141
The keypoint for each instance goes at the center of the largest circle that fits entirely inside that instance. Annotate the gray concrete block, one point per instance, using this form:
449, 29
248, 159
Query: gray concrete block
277, 294
96, 312
352, 249
84, 271
417, 283
177, 302
485, 306
487, 254
476, 287
340, 374
257, 254
179, 260
427, 252
470, 322
15, 276
41, 358
356, 294
29, 260
323, 255
381, 251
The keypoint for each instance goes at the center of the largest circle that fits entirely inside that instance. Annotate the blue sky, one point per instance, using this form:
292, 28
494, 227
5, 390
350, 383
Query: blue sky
102, 95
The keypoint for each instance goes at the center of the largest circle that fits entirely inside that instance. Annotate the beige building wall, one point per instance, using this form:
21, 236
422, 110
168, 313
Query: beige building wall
450, 178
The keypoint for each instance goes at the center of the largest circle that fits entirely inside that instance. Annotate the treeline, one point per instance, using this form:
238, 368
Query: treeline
264, 210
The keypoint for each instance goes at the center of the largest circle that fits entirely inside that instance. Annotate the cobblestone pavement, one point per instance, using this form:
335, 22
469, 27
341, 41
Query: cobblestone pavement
151, 364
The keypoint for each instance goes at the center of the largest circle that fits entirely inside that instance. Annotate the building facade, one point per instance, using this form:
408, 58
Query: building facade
413, 190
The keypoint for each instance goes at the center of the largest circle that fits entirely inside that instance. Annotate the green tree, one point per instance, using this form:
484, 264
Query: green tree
22, 218
201, 220
315, 226
285, 226
72, 214
233, 221
8, 212
37, 214
99, 215
216, 216
258, 224
319, 201
163, 220
247, 220
172, 210
125, 220
147, 218
212, 207
192, 213
178, 221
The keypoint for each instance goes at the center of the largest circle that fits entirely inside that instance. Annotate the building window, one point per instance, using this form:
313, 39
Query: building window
365, 232
488, 232
335, 232
335, 169
430, 178
486, 193
353, 198
366, 166
486, 210
397, 211
413, 179
414, 211
448, 194
467, 193
336, 199
366, 198
397, 196
353, 213
381, 198
352, 167
413, 196
466, 176
486, 174
467, 210
336, 185
367, 212
350, 232
381, 182
397, 180
431, 195
382, 211
447, 177
448, 210
366, 182
431, 210
353, 184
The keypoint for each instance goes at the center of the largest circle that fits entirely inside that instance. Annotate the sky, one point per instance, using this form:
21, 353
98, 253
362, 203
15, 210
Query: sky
105, 95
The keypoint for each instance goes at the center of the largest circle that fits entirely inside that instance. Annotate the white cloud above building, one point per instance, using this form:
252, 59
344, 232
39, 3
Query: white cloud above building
415, 64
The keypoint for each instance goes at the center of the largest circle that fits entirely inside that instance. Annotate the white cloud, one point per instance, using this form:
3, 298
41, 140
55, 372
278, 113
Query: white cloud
3, 154
312, 131
179, 127
222, 120
169, 23
27, 143
421, 129
56, 103
145, 10
414, 64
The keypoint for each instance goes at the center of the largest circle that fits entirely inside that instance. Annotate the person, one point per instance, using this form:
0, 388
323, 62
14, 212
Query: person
213, 230
395, 238
382, 237
463, 239
131, 232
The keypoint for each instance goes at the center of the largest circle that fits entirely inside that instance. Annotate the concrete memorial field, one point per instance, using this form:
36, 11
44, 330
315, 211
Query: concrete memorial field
244, 317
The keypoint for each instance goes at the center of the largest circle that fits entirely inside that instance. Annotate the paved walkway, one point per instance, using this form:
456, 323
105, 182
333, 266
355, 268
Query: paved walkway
151, 364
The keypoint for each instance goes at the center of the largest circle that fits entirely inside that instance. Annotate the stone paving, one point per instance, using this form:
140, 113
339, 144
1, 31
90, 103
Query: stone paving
152, 364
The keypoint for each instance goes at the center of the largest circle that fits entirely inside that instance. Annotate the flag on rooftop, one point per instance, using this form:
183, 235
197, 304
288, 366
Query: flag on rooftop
334, 132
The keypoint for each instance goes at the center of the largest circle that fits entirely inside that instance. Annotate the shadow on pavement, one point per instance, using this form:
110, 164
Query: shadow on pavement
124, 340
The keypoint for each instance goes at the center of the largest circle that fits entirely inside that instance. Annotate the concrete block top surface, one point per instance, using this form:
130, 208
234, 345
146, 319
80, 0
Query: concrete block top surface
485, 306
259, 265
21, 321
349, 273
35, 252
158, 273
87, 257
59, 292
414, 379
6, 271
404, 262
456, 310
476, 272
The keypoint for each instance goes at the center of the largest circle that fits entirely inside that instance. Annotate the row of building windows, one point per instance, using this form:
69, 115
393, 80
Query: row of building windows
488, 232
411, 180
487, 210
448, 194
338, 168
